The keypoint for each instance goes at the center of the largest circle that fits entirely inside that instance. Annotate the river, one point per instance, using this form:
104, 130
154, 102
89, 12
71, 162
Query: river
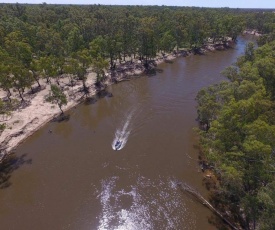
71, 178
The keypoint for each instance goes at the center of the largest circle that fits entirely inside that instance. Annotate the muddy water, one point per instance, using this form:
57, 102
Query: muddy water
71, 178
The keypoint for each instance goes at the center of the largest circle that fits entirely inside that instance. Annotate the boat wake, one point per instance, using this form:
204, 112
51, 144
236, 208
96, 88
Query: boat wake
122, 134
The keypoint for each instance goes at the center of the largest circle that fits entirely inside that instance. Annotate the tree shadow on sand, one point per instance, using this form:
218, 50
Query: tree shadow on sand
8, 165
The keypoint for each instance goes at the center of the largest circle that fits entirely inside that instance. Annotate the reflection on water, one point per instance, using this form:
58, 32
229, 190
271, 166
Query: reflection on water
144, 205
9, 165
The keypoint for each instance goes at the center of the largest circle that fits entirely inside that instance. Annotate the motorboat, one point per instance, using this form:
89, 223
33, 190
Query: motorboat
118, 144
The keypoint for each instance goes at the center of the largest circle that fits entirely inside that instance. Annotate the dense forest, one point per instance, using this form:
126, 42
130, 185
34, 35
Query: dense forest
44, 41
238, 118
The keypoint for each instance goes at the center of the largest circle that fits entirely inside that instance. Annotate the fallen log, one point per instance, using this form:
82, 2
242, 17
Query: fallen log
187, 188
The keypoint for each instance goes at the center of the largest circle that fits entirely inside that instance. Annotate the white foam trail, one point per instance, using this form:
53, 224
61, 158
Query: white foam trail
123, 133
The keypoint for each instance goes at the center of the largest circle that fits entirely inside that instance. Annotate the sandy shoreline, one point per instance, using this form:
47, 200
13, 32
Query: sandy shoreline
25, 121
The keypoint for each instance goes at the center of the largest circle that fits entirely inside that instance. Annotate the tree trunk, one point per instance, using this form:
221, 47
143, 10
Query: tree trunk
9, 94
111, 60
48, 80
119, 57
37, 82
62, 112
36, 79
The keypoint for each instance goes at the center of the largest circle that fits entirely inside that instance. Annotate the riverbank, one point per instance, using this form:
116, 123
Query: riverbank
35, 112
252, 32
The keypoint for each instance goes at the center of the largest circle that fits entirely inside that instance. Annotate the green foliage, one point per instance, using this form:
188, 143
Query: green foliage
75, 40
99, 65
249, 52
58, 97
21, 78
44, 38
98, 47
240, 140
266, 197
167, 42
17, 47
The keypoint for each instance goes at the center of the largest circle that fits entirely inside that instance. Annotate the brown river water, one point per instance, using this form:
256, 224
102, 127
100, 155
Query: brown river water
72, 178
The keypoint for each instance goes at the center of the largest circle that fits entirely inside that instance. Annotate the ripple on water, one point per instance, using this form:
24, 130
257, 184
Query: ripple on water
145, 205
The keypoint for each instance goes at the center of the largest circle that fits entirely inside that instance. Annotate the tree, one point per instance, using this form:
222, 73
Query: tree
34, 68
147, 45
99, 65
5, 79
240, 141
58, 97
22, 79
231, 73
167, 42
18, 48
75, 40
97, 47
266, 198
249, 52
84, 60
48, 67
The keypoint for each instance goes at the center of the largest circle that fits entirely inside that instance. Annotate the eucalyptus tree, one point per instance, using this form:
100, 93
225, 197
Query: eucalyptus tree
57, 96
18, 48
6, 79
75, 40
48, 67
84, 59
266, 198
97, 47
35, 71
99, 66
71, 66
167, 42
21, 79
147, 48
5, 74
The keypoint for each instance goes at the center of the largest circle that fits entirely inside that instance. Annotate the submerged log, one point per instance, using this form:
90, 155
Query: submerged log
187, 188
